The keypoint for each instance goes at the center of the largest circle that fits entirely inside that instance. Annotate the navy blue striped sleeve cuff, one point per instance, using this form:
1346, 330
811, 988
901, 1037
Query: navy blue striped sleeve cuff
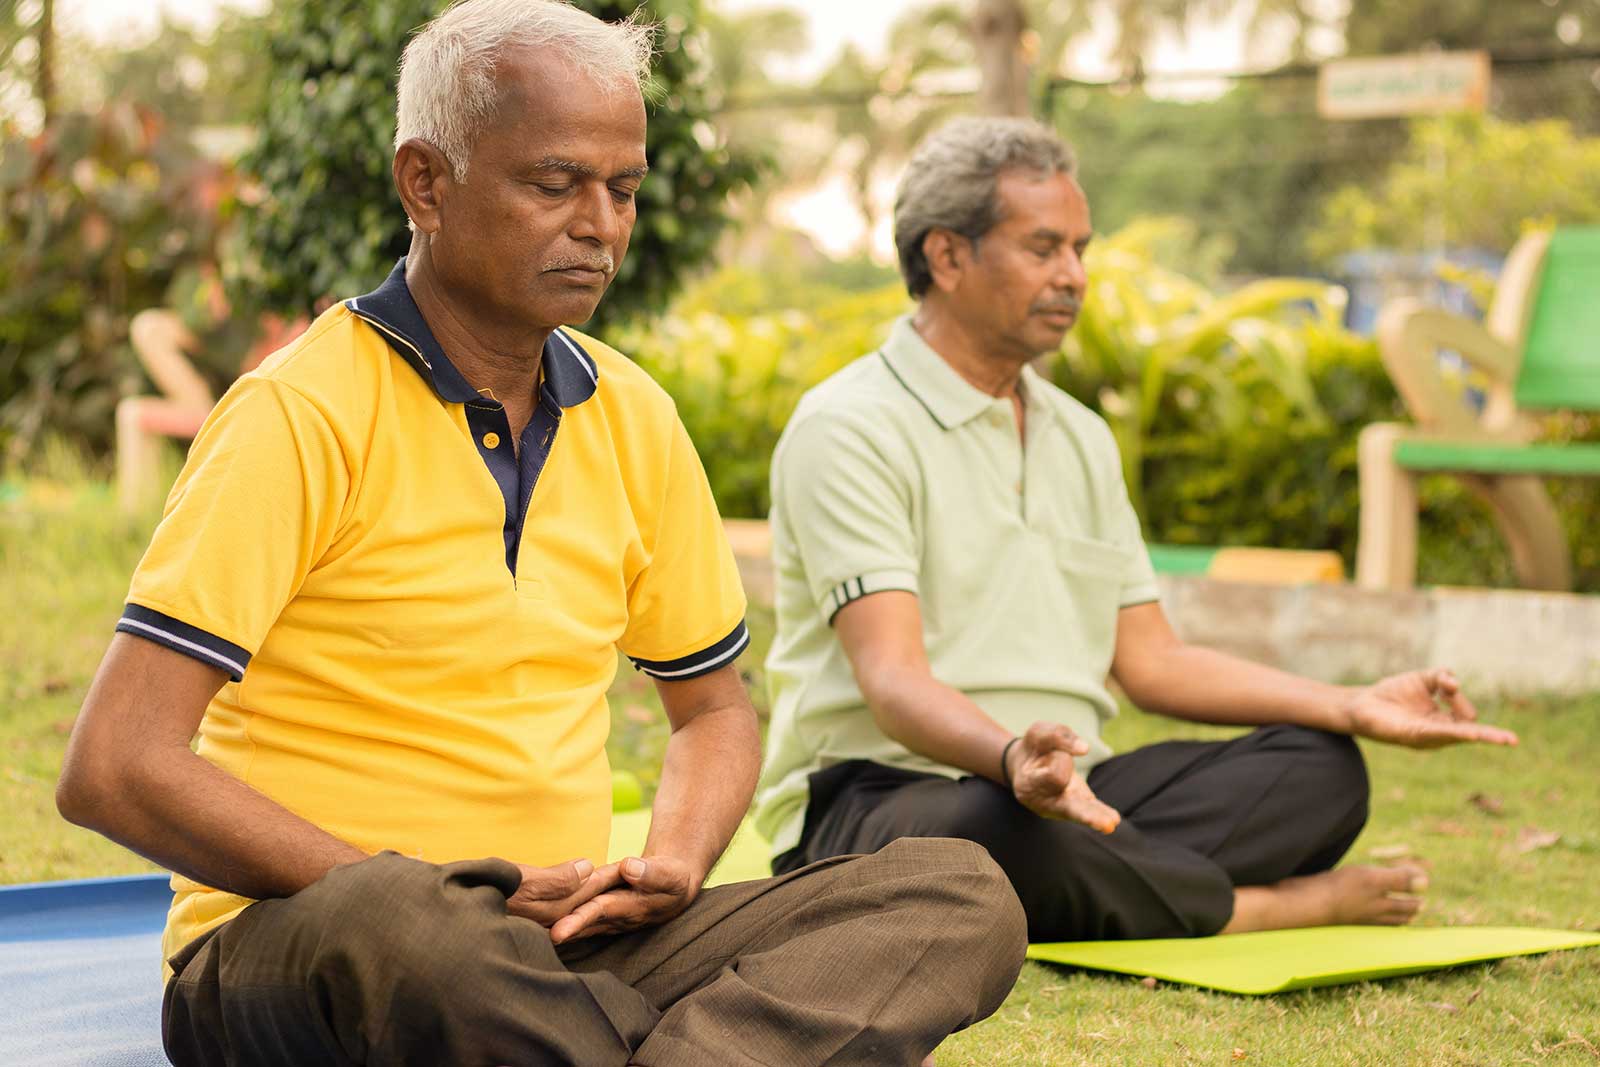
705, 661
181, 637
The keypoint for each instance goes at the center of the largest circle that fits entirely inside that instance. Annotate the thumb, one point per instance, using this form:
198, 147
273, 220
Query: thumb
1083, 806
553, 883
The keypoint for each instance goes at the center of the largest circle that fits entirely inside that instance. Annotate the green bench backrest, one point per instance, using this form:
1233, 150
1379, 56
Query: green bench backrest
1561, 359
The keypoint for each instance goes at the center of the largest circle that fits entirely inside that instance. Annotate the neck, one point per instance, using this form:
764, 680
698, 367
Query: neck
502, 358
969, 353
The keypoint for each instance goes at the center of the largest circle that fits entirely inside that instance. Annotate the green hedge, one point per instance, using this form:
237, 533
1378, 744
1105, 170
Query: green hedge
1238, 414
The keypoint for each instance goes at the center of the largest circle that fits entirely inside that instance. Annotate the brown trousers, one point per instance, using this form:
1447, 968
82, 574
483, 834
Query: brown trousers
858, 960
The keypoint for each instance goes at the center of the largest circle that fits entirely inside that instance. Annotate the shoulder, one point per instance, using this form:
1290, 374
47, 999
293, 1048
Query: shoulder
333, 368
624, 389
863, 398
1084, 425
859, 415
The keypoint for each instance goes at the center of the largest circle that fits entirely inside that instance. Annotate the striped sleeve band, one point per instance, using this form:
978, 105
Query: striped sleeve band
705, 661
181, 637
852, 589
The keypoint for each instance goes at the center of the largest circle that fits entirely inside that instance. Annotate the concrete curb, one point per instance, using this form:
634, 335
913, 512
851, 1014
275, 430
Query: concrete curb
1496, 640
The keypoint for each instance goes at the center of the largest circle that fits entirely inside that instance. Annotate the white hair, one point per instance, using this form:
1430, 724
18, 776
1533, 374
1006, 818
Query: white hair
447, 74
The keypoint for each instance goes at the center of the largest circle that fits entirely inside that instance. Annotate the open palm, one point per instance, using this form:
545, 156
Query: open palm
1421, 709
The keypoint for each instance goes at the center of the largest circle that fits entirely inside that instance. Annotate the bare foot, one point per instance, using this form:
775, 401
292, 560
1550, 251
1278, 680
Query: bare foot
1383, 896
929, 1061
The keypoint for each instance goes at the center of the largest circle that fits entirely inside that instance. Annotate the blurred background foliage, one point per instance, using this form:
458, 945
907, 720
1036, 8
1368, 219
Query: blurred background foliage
245, 169
330, 223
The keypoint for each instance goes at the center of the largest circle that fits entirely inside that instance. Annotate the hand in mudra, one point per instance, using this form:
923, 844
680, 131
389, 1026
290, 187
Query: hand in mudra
1045, 781
652, 890
1420, 709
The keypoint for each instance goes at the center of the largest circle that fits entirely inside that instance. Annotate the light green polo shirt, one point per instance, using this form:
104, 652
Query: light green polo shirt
897, 474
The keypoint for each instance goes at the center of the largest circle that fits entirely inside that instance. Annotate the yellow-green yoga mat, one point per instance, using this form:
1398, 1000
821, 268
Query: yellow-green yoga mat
1276, 961
1272, 962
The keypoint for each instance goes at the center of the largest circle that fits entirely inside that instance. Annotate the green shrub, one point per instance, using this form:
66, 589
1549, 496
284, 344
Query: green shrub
96, 217
738, 349
332, 225
1238, 414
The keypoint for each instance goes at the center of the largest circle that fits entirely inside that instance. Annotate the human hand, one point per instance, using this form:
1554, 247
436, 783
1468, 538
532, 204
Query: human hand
1044, 780
654, 889
1420, 709
549, 893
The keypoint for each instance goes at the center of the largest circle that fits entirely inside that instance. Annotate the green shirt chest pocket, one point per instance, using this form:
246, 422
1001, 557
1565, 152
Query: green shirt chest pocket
1091, 575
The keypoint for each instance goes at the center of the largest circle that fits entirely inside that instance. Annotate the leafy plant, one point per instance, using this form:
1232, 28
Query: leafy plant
737, 350
1482, 181
331, 224
1151, 338
96, 216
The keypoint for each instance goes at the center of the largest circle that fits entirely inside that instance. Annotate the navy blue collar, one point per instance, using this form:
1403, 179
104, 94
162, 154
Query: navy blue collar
570, 373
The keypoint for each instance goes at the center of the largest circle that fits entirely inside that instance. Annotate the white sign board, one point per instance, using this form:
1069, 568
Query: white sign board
1427, 83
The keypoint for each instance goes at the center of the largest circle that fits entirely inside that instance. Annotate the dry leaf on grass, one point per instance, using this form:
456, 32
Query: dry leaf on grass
1532, 838
1489, 805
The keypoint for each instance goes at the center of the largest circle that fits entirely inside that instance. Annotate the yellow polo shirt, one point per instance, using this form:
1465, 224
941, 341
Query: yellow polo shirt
420, 626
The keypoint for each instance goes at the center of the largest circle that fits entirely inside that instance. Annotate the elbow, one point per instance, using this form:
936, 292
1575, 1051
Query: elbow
883, 694
85, 790
74, 797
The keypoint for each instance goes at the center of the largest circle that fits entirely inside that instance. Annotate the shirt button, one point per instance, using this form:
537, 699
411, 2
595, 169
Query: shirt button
491, 440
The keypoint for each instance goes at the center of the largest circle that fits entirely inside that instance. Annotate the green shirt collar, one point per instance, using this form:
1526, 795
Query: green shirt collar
949, 398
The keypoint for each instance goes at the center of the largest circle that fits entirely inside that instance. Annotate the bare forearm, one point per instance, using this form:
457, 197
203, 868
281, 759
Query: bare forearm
1204, 685
129, 774
937, 721
707, 780
179, 810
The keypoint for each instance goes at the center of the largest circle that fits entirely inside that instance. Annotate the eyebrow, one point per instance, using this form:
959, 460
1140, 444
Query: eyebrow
1058, 237
584, 170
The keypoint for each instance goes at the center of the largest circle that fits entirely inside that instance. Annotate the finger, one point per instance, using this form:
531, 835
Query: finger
1460, 707
1450, 732
657, 875
1045, 737
606, 914
1083, 806
553, 883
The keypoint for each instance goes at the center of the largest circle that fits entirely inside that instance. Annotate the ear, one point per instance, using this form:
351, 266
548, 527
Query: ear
949, 256
423, 179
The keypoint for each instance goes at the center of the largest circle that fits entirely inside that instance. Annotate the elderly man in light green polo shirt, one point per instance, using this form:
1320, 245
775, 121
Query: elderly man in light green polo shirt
959, 570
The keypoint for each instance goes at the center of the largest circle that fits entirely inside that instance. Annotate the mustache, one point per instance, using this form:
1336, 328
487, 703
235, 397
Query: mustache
1070, 304
602, 262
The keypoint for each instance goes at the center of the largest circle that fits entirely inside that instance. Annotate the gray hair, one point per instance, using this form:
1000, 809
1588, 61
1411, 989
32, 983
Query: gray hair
447, 75
951, 183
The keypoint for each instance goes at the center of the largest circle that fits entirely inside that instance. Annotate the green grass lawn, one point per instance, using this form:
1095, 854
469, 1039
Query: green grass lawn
1511, 837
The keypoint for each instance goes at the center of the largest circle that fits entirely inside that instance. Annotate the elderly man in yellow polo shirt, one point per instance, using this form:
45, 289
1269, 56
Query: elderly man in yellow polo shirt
388, 592
958, 570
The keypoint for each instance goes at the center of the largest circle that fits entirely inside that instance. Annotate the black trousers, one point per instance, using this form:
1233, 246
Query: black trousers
1198, 819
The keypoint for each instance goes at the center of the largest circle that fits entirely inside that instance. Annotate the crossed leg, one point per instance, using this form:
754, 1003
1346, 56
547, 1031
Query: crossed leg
1216, 837
871, 960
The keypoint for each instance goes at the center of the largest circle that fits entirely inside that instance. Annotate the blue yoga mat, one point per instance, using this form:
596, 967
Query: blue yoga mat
80, 977
80, 972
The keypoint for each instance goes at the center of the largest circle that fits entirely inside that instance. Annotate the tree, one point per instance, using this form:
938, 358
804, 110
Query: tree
997, 29
1499, 178
1548, 28
330, 223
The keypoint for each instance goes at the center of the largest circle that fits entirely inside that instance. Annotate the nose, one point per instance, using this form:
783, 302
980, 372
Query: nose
1071, 273
597, 217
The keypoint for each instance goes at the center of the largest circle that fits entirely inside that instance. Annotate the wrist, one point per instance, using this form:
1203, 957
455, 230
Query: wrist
1005, 762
